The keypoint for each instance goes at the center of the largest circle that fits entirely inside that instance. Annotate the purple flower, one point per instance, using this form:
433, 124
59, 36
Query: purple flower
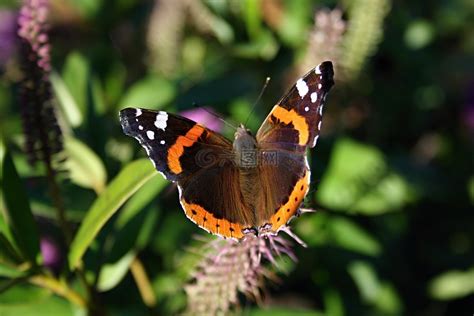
52, 257
203, 116
43, 135
32, 29
469, 117
231, 267
468, 111
7, 35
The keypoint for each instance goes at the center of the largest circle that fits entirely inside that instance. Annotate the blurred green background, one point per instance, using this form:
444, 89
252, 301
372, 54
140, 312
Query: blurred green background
392, 180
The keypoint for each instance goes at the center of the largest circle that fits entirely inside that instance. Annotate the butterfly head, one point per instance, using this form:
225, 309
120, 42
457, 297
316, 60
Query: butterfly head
244, 141
241, 131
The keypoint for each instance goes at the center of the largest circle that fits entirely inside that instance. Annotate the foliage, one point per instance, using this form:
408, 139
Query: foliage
90, 226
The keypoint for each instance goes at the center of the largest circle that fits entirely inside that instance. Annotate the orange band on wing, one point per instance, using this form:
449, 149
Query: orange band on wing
287, 210
176, 151
206, 220
298, 121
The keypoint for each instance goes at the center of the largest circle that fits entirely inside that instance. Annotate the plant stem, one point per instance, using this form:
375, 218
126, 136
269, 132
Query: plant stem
58, 202
65, 228
143, 283
59, 288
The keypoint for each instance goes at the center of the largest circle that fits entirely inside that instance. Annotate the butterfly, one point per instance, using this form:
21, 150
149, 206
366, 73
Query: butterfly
253, 185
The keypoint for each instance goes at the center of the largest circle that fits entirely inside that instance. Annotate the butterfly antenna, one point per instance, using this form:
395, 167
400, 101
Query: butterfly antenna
220, 118
258, 99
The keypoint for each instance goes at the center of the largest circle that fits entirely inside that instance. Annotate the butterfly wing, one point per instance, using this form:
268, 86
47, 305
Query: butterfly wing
172, 141
294, 122
290, 128
284, 181
199, 160
213, 200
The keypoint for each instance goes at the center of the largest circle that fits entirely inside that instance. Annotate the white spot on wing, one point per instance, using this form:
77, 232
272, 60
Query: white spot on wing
150, 134
315, 140
320, 86
317, 70
140, 127
306, 108
321, 110
314, 97
161, 120
307, 166
162, 142
180, 191
302, 87
138, 113
319, 125
148, 153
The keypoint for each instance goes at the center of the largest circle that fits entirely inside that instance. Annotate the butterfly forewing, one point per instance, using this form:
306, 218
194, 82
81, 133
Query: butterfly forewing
295, 121
173, 142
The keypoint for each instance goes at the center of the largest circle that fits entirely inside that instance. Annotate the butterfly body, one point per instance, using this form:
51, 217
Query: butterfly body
254, 184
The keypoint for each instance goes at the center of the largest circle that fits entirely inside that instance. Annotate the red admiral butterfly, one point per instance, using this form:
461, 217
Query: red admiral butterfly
255, 184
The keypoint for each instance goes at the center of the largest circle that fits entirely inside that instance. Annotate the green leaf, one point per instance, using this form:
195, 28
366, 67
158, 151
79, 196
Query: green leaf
295, 22
112, 273
135, 223
88, 8
28, 300
97, 96
167, 284
84, 166
76, 78
419, 33
6, 237
333, 303
338, 231
8, 248
388, 301
373, 291
349, 235
264, 46
23, 294
141, 199
114, 82
127, 182
18, 212
470, 189
252, 17
194, 55
452, 285
69, 107
9, 251
151, 92
222, 30
284, 265
359, 180
10, 272
2, 155
218, 26
365, 279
